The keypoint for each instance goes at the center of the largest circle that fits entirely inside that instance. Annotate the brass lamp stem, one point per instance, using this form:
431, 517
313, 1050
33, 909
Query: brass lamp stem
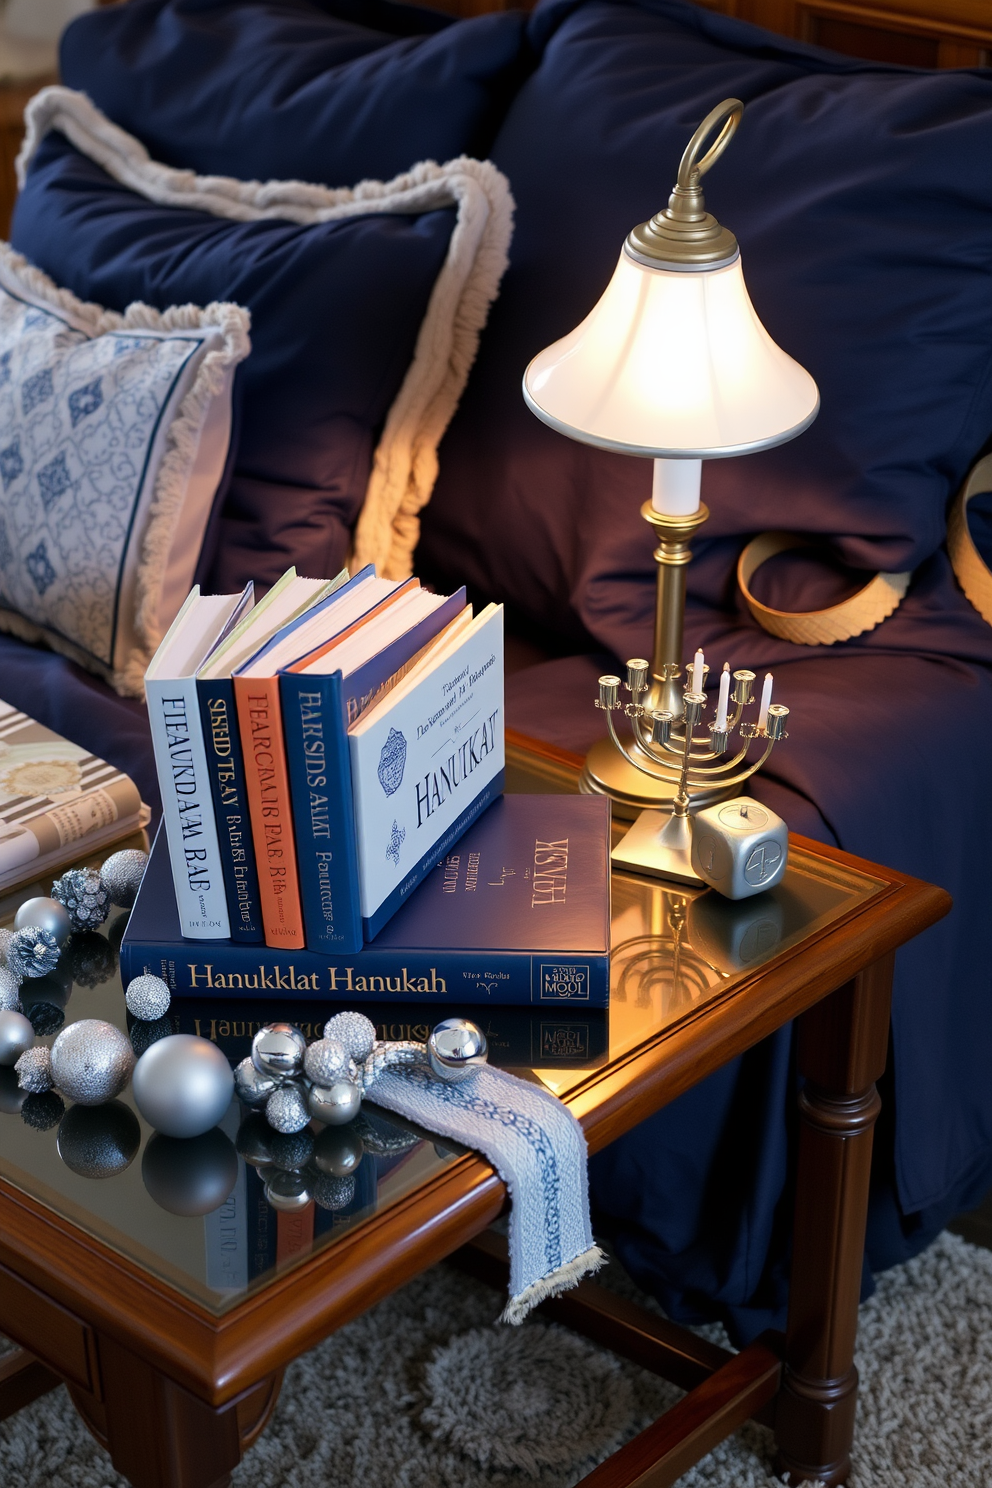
672, 555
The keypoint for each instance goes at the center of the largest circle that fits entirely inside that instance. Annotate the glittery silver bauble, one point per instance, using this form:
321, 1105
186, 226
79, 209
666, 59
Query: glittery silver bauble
333, 1193
251, 1086
16, 1037
182, 1085
291, 1150
190, 1177
254, 1139
12, 1097
43, 1110
6, 936
456, 1049
91, 1061
99, 1143
122, 874
286, 1109
82, 893
47, 914
335, 1104
34, 1070
287, 1191
278, 1050
33, 952
355, 1031
10, 991
148, 998
338, 1151
328, 1060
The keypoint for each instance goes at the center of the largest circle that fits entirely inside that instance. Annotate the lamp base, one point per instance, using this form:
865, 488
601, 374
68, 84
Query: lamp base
607, 773
653, 847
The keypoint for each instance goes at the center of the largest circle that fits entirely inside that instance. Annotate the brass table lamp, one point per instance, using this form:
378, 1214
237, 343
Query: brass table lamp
673, 364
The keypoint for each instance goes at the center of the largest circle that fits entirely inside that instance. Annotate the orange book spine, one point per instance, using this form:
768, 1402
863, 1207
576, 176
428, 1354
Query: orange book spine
294, 1234
267, 780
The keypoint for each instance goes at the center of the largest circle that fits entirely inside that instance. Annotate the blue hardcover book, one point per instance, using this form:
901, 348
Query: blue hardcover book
317, 710
517, 912
226, 770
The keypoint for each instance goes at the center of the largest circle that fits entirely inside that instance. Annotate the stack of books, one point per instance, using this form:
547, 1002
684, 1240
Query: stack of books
332, 763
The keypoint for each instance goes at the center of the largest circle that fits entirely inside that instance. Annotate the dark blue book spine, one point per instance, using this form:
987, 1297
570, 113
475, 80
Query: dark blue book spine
319, 764
386, 974
225, 767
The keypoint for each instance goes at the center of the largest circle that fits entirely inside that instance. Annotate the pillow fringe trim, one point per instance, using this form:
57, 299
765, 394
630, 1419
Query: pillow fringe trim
233, 323
405, 464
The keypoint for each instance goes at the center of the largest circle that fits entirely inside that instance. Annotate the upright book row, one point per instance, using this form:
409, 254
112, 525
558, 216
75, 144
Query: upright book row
320, 751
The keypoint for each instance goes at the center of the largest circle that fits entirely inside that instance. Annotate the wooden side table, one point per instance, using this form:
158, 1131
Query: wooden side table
177, 1379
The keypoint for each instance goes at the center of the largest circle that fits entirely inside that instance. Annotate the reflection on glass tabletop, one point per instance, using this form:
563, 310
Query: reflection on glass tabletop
195, 1213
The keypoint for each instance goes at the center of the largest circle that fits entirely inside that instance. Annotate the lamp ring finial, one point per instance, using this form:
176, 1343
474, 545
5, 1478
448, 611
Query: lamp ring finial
728, 114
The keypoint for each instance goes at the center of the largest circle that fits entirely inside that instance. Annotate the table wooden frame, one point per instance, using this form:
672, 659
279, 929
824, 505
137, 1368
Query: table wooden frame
177, 1393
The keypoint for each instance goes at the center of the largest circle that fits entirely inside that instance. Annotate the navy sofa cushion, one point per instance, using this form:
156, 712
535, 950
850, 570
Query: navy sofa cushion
291, 89
861, 200
336, 309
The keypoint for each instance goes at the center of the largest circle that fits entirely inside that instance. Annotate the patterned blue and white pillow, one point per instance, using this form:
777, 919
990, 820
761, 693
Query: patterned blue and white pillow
114, 431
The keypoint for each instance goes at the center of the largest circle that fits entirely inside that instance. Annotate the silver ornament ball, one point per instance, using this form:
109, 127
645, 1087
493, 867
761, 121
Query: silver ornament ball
10, 992
355, 1031
190, 1177
182, 1085
12, 1097
6, 936
456, 1048
338, 1151
122, 874
148, 998
254, 1140
47, 914
91, 1061
278, 1050
287, 1190
335, 1104
251, 1086
34, 1070
333, 1193
100, 1142
328, 1060
286, 1109
16, 1037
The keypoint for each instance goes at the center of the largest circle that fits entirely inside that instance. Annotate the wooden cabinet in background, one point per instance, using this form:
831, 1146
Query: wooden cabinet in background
13, 97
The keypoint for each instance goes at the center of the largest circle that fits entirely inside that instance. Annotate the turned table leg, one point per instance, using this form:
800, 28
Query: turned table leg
842, 1042
158, 1434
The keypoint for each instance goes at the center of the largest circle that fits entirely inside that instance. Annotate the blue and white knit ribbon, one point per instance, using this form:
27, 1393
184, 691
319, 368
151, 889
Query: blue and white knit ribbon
538, 1149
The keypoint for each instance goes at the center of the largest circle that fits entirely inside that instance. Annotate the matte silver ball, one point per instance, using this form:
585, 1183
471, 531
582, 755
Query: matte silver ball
47, 914
91, 1061
286, 1109
10, 992
335, 1104
182, 1085
16, 1037
355, 1031
338, 1151
278, 1049
328, 1060
122, 874
250, 1085
101, 1142
456, 1048
34, 1070
190, 1177
148, 998
287, 1191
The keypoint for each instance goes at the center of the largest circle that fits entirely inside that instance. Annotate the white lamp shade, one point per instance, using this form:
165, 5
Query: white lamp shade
672, 364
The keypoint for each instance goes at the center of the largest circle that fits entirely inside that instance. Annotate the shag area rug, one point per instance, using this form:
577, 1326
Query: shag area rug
425, 1391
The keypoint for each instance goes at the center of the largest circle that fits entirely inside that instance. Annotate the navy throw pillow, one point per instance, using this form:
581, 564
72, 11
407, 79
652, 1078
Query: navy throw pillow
335, 307
291, 89
861, 197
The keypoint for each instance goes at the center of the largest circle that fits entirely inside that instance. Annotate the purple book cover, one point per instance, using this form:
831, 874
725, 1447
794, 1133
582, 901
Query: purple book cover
518, 912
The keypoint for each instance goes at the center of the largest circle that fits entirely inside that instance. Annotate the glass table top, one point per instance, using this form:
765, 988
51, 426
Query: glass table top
195, 1213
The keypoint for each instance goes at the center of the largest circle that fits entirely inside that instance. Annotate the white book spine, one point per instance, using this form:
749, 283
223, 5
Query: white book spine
187, 808
418, 768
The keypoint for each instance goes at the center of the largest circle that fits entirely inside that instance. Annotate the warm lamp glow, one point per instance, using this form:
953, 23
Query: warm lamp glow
672, 363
